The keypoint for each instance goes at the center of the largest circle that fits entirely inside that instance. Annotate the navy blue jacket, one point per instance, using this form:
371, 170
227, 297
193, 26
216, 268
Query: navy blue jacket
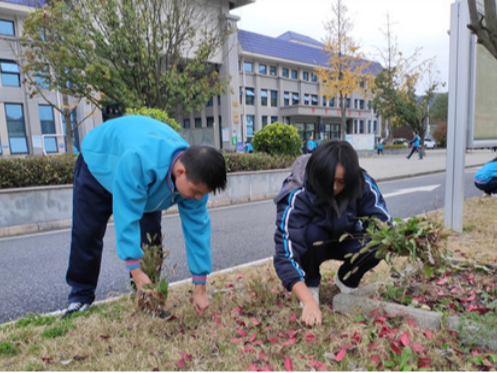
299, 207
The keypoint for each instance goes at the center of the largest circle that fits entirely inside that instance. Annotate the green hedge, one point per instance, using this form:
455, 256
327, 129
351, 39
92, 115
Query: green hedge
59, 170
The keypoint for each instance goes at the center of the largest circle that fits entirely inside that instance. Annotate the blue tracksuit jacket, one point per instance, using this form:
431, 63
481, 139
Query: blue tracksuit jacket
132, 157
298, 207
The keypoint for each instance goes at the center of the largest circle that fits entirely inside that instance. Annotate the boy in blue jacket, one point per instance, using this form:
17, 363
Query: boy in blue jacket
324, 197
486, 178
134, 167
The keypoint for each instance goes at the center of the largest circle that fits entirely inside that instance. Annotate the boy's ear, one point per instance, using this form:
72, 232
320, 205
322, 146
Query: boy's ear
180, 170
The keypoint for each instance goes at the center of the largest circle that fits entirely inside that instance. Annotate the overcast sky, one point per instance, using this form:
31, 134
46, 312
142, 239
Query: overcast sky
415, 23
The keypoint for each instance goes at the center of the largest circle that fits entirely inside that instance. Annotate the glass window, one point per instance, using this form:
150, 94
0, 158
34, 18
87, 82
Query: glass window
248, 67
262, 69
356, 101
374, 126
287, 120
369, 126
6, 27
264, 121
314, 77
348, 103
264, 97
286, 98
198, 122
250, 125
361, 126
274, 98
47, 123
16, 128
332, 102
295, 74
315, 100
11, 75
361, 104
272, 70
210, 122
186, 123
295, 98
305, 76
274, 119
250, 96
324, 100
241, 95
210, 102
285, 72
306, 99
218, 100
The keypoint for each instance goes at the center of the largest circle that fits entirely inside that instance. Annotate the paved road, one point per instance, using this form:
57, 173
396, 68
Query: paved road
34, 265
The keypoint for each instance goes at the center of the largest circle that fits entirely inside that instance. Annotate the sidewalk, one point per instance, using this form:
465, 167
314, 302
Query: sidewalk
396, 166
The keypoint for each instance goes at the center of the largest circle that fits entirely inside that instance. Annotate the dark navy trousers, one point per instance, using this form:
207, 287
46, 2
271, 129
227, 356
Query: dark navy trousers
92, 208
316, 255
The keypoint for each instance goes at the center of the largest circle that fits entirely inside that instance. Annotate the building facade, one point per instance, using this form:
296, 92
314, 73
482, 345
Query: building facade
270, 80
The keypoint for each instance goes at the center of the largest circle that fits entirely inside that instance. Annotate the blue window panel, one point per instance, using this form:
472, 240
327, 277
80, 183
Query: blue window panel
11, 75
250, 125
50, 144
285, 72
6, 27
248, 67
272, 70
274, 119
18, 145
186, 123
262, 69
314, 100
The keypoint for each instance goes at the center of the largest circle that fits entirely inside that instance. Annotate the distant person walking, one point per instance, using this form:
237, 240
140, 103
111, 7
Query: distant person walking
486, 178
311, 145
415, 142
379, 147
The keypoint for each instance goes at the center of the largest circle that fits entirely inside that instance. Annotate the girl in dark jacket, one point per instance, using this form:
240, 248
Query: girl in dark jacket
325, 196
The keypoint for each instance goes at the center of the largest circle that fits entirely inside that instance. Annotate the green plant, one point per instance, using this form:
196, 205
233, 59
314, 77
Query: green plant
278, 138
157, 114
8, 348
35, 320
419, 239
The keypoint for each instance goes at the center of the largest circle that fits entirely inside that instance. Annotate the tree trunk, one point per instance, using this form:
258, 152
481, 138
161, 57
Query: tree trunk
67, 120
343, 113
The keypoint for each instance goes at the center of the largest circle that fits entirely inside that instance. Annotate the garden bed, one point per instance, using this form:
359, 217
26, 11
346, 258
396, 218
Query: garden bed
461, 297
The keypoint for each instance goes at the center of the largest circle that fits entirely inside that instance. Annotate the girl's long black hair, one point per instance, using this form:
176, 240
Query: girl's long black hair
321, 170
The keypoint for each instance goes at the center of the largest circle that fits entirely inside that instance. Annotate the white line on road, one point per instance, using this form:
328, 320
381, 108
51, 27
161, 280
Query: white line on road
428, 188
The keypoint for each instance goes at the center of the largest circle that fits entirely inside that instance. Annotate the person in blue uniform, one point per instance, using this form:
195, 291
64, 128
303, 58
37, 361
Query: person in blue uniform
486, 178
415, 143
325, 196
134, 167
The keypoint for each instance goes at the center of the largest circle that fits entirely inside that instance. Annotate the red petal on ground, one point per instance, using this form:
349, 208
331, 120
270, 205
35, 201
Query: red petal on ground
429, 334
237, 310
248, 349
236, 340
239, 277
267, 368
442, 281
356, 337
308, 356
181, 364
217, 320
253, 368
472, 307
229, 285
255, 322
396, 348
441, 293
417, 347
410, 322
454, 291
317, 365
252, 338
156, 369
289, 342
258, 342
262, 356
475, 352
293, 317
185, 355
104, 336
309, 337
288, 364
273, 340
425, 361
404, 339
341, 354
47, 359
471, 298
241, 332
292, 333
392, 315
375, 358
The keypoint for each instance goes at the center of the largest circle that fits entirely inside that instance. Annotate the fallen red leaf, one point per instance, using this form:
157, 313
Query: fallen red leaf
410, 322
417, 347
429, 334
396, 348
217, 320
253, 368
239, 277
247, 349
236, 340
237, 310
241, 332
293, 317
104, 337
229, 285
47, 359
404, 339
471, 298
288, 364
262, 356
289, 342
375, 358
454, 291
252, 338
317, 365
309, 337
255, 322
273, 339
185, 355
181, 364
308, 356
341, 354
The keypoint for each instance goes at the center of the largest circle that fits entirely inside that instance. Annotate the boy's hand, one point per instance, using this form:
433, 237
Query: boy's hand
311, 314
199, 299
141, 279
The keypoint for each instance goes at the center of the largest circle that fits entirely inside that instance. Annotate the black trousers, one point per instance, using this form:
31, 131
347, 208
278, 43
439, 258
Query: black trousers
316, 255
414, 148
92, 208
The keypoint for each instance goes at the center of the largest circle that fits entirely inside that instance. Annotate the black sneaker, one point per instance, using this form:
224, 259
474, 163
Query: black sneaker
76, 307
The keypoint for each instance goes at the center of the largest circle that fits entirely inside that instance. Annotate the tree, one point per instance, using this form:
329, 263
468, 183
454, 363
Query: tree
50, 60
346, 70
144, 52
440, 108
484, 26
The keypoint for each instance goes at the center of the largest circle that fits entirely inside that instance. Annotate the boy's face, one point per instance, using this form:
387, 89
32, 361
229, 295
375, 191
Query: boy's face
339, 184
188, 189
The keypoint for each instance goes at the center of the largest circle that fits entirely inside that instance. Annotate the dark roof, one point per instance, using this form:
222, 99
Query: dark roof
33, 3
291, 35
275, 47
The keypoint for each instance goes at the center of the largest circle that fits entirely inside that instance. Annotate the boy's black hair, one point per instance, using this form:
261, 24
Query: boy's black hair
321, 170
206, 165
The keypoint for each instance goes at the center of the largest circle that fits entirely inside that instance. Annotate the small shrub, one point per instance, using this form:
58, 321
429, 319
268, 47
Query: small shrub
8, 348
156, 114
58, 330
278, 138
236, 162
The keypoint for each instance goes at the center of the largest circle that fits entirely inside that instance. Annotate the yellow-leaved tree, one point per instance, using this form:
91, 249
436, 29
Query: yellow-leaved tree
346, 70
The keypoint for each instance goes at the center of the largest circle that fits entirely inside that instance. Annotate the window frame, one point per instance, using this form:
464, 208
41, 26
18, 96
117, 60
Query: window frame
23, 122
285, 72
7, 21
247, 64
50, 141
262, 69
8, 73
264, 97
274, 98
273, 70
249, 96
